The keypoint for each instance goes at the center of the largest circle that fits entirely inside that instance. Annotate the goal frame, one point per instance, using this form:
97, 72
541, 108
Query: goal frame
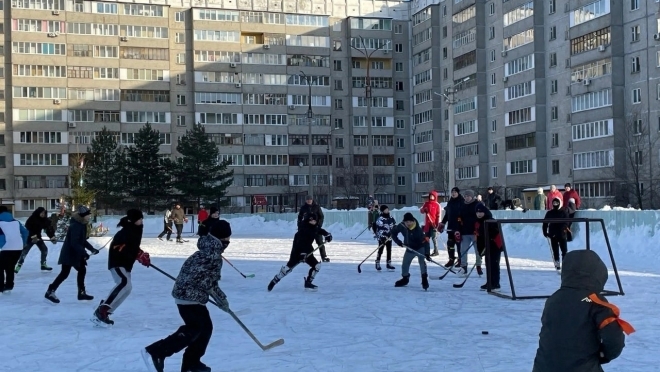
587, 221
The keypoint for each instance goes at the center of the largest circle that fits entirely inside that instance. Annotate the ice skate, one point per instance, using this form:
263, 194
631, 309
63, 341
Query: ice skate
389, 266
102, 316
462, 272
309, 286
435, 253
153, 363
480, 272
450, 263
425, 281
83, 296
403, 281
378, 265
201, 367
45, 268
51, 297
495, 288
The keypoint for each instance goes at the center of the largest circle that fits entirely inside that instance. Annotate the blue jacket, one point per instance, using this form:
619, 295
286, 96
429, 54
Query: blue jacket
413, 238
7, 222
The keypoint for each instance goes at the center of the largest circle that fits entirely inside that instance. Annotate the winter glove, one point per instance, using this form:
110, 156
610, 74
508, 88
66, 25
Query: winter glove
328, 238
144, 259
53, 240
457, 237
221, 300
398, 242
35, 239
441, 227
428, 257
94, 251
86, 257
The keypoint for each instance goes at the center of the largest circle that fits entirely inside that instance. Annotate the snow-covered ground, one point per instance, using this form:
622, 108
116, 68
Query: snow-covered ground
355, 322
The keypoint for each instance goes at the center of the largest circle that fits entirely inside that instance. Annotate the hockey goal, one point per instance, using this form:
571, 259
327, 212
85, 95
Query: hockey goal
591, 226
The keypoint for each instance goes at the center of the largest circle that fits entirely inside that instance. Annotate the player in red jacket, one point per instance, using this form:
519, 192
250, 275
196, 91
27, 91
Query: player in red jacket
202, 215
432, 212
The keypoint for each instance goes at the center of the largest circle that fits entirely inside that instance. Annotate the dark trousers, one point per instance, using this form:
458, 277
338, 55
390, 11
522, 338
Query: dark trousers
167, 229
179, 229
194, 336
8, 260
558, 242
66, 270
297, 257
493, 265
319, 241
452, 246
385, 245
42, 247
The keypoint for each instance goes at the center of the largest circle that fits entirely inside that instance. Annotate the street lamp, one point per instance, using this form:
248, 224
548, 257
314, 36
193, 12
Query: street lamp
310, 116
367, 95
450, 100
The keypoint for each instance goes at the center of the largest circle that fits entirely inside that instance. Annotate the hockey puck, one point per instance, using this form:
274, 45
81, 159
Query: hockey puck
484, 332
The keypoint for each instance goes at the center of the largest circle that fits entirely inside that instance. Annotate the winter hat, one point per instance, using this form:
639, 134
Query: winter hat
540, 190
213, 210
456, 189
408, 217
309, 197
567, 184
480, 208
383, 208
134, 215
83, 211
468, 193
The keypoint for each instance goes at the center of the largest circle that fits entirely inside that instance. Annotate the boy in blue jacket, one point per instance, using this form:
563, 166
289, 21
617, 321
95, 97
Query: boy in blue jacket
415, 239
13, 237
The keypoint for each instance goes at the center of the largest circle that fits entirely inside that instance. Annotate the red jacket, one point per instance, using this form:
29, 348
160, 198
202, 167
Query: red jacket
202, 215
552, 195
572, 194
432, 210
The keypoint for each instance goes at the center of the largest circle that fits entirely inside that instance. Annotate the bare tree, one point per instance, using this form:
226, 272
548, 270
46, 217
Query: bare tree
639, 176
352, 181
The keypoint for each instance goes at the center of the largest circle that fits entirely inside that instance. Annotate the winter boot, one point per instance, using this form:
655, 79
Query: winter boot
180, 241
480, 272
435, 252
403, 281
51, 297
201, 367
389, 265
45, 267
102, 316
276, 279
153, 362
450, 263
17, 268
557, 265
83, 296
425, 281
309, 286
494, 288
462, 272
326, 259
378, 265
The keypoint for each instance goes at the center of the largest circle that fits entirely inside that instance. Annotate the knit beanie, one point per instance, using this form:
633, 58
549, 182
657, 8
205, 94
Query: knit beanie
408, 217
84, 211
383, 208
213, 210
134, 215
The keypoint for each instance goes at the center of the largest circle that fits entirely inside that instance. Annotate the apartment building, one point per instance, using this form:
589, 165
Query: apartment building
536, 92
545, 92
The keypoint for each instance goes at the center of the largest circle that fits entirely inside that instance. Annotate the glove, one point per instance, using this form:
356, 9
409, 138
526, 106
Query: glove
144, 259
86, 257
94, 251
428, 257
53, 240
399, 243
441, 227
35, 239
185, 220
221, 300
457, 237
328, 238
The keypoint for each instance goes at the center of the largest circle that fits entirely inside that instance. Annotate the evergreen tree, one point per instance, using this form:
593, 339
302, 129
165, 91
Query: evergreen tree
199, 176
103, 170
148, 176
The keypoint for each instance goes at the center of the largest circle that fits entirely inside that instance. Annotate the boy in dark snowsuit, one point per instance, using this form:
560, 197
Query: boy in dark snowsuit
73, 255
35, 224
556, 231
311, 207
124, 251
302, 250
465, 234
383, 229
580, 330
451, 222
415, 239
196, 282
494, 242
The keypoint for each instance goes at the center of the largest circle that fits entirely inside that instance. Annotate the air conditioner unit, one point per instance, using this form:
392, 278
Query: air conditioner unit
72, 124
237, 85
232, 65
505, 79
656, 37
57, 101
292, 107
123, 38
56, 12
601, 48
586, 81
266, 46
52, 34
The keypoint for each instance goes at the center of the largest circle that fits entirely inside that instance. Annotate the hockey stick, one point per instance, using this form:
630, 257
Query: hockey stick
424, 257
173, 278
449, 269
552, 255
461, 284
371, 254
263, 347
365, 229
239, 271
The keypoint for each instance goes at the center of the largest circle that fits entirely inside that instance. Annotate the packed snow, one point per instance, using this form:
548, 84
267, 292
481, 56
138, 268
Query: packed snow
355, 322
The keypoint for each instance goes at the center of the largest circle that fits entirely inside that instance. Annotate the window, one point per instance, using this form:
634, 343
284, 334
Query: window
596, 159
398, 66
20, 47
467, 173
553, 59
594, 129
634, 4
555, 167
554, 113
181, 99
464, 38
371, 24
553, 32
552, 6
143, 10
635, 32
400, 124
493, 172
520, 116
591, 100
3, 162
337, 65
519, 39
466, 150
518, 14
465, 105
398, 48
635, 65
180, 16
493, 102
493, 126
160, 54
591, 70
590, 41
590, 11
43, 159
638, 158
400, 162
401, 180
339, 123
422, 36
400, 143
595, 189
339, 104
520, 90
636, 96
491, 8
424, 177
146, 116
398, 29
521, 141
37, 115
519, 65
336, 45
491, 33
553, 86
493, 148
465, 60
521, 167
181, 120
555, 140
637, 127
465, 127
399, 86
492, 55
493, 79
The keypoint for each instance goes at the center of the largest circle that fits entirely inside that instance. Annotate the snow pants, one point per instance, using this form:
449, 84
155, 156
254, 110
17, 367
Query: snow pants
122, 289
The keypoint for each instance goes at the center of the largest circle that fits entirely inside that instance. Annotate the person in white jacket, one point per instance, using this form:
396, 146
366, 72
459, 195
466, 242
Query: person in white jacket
167, 223
13, 237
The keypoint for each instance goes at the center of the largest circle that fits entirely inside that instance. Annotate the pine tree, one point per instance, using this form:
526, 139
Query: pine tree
148, 176
103, 170
198, 174
61, 220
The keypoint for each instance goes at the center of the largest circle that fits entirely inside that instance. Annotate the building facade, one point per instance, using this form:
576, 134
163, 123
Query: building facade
535, 93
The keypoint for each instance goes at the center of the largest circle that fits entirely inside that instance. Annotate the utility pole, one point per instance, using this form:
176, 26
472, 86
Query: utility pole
310, 117
367, 95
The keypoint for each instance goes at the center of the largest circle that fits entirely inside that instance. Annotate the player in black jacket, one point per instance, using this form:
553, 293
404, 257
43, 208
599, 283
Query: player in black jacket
580, 330
311, 207
124, 251
35, 224
451, 223
302, 247
556, 231
383, 229
223, 230
415, 239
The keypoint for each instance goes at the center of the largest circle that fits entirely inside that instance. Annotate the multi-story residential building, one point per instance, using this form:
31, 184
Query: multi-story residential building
536, 92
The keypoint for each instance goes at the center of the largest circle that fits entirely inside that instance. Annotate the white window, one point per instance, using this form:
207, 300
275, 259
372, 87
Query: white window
493, 171
591, 70
595, 159
591, 100
634, 4
519, 39
465, 37
42, 159
521, 167
424, 177
520, 116
422, 137
636, 96
519, 90
235, 160
465, 105
180, 16
590, 11
37, 115
635, 32
519, 65
466, 173
467, 150
146, 117
518, 14
595, 189
424, 157
466, 127
400, 124
423, 117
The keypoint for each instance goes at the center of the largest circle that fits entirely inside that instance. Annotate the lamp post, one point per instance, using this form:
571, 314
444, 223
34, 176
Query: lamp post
310, 117
367, 95
450, 100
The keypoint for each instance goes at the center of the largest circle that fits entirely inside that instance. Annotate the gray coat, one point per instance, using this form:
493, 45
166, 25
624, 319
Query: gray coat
73, 249
200, 273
